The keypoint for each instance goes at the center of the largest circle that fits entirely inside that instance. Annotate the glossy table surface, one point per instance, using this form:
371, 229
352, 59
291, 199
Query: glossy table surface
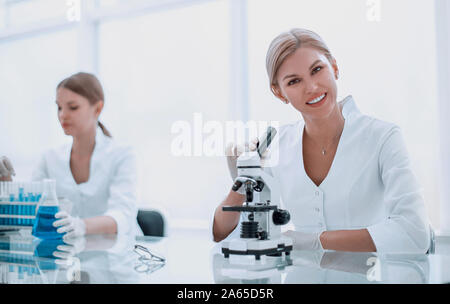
192, 257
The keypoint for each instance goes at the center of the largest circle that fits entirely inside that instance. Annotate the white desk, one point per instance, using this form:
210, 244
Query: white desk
191, 257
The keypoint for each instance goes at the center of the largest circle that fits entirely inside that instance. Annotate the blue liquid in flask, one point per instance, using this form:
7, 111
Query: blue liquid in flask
43, 224
48, 206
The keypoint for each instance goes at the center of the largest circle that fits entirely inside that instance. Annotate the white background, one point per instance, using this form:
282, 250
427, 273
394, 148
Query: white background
162, 61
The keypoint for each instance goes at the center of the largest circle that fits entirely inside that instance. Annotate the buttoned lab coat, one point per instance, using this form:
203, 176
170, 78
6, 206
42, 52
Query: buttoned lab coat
370, 185
111, 188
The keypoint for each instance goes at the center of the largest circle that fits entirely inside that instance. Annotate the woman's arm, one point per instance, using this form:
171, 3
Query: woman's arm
100, 225
406, 228
122, 206
348, 240
225, 222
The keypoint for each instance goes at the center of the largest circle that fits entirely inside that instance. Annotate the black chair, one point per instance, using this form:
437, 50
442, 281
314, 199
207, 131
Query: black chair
432, 249
151, 222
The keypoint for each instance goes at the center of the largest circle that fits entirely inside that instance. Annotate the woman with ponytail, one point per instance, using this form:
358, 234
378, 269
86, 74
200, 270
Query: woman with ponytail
94, 173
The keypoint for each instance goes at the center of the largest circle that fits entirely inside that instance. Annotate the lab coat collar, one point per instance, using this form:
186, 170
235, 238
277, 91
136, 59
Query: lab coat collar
100, 139
349, 110
349, 106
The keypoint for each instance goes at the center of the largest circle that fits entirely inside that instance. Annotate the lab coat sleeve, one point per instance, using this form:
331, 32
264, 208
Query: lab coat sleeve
40, 171
122, 206
406, 227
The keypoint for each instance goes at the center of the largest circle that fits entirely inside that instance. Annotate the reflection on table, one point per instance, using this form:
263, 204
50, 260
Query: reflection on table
101, 259
314, 267
191, 257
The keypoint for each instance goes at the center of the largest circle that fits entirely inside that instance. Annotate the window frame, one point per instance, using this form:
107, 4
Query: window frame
442, 11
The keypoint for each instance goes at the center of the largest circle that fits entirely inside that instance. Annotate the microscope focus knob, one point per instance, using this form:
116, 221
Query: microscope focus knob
281, 217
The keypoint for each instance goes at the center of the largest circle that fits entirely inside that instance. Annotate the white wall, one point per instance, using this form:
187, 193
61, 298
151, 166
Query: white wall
163, 65
388, 66
174, 64
30, 71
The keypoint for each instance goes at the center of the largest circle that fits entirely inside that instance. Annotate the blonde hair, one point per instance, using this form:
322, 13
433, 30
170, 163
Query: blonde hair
287, 43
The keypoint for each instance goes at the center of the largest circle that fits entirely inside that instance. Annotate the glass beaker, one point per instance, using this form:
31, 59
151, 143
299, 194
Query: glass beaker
48, 206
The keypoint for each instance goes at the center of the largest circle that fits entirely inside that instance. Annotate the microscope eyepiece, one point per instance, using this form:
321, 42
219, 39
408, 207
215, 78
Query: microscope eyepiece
236, 186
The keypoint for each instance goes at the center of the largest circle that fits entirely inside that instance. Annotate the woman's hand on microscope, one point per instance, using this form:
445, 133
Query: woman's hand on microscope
232, 152
6, 169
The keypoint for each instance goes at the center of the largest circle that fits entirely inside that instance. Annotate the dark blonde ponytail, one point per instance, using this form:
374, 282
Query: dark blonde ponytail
105, 131
88, 86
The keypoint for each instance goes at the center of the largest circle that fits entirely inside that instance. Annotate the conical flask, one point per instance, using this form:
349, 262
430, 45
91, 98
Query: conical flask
47, 208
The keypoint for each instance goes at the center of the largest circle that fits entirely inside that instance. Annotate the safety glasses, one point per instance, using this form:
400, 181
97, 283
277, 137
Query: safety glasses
149, 262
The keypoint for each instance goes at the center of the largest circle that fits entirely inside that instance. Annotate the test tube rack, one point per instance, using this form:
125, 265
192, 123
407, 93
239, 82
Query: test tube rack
17, 262
18, 204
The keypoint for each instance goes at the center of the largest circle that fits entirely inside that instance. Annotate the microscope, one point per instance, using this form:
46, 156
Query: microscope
261, 219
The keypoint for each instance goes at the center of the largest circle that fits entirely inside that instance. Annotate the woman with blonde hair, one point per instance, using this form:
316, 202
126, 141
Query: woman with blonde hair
344, 176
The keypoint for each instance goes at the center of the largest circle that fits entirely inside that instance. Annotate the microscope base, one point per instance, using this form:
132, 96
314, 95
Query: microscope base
256, 248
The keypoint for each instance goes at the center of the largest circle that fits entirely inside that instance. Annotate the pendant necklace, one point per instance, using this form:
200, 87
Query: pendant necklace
324, 149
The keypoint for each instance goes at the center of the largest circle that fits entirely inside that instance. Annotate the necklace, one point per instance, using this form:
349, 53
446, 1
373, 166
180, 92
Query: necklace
324, 151
333, 140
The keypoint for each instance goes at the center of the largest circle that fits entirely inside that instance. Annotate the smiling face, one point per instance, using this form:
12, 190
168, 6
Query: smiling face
75, 113
307, 80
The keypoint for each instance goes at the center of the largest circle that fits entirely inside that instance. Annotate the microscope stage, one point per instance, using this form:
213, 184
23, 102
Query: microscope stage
257, 247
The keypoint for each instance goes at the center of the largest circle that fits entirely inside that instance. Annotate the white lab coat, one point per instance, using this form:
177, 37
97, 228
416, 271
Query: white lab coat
369, 185
111, 188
